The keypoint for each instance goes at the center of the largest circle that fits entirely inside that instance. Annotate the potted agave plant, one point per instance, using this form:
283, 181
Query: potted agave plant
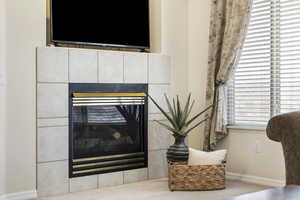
180, 125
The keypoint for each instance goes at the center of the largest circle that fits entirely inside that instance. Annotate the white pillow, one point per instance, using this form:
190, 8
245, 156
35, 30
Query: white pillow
197, 157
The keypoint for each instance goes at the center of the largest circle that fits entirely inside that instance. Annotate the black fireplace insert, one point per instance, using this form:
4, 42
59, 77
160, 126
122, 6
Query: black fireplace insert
107, 128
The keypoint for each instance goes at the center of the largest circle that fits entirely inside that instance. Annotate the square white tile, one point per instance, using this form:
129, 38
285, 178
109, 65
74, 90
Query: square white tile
156, 116
157, 93
135, 175
50, 122
111, 67
83, 183
52, 178
158, 136
159, 69
83, 66
157, 164
52, 100
111, 179
52, 64
53, 143
135, 68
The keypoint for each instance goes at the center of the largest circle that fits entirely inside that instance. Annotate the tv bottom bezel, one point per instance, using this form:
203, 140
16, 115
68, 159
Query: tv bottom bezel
58, 42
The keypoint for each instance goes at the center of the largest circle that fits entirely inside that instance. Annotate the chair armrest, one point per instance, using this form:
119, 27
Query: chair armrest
283, 124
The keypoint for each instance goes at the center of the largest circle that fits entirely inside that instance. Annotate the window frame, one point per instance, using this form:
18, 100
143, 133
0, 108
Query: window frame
275, 80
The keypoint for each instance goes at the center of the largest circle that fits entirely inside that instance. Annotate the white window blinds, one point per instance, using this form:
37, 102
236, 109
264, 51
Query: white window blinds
267, 79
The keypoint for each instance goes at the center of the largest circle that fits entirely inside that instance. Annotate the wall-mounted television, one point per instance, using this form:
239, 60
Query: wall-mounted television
112, 23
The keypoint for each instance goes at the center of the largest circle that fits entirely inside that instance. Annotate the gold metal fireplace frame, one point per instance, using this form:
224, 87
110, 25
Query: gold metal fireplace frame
108, 168
127, 94
108, 157
79, 165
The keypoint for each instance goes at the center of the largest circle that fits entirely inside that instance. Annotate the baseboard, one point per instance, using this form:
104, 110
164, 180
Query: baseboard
255, 179
27, 195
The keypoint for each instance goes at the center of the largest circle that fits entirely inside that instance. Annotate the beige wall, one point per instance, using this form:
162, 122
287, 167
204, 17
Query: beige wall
251, 153
155, 25
25, 31
169, 33
174, 32
2, 98
198, 27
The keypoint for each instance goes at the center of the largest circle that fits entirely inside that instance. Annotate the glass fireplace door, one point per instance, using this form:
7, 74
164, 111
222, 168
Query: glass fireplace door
107, 131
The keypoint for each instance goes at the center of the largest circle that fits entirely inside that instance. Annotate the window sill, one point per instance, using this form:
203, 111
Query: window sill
244, 127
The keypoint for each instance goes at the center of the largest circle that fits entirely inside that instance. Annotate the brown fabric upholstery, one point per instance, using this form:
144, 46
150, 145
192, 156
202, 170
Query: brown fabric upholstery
285, 128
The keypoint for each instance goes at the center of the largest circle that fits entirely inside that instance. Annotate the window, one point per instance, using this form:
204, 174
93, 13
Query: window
267, 79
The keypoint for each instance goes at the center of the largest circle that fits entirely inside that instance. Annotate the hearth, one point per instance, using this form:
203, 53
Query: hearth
107, 128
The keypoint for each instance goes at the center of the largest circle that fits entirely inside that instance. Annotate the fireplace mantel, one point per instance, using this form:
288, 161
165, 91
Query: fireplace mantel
56, 68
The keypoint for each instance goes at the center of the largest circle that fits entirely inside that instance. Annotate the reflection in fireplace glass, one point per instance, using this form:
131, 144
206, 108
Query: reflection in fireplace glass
106, 130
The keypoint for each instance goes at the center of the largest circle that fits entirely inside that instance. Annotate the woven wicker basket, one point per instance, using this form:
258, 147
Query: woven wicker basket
183, 177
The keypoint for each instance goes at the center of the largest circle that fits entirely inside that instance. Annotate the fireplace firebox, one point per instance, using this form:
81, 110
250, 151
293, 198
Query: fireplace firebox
107, 128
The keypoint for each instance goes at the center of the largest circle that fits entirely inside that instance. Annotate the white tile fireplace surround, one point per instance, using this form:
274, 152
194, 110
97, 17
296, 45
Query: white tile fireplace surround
56, 67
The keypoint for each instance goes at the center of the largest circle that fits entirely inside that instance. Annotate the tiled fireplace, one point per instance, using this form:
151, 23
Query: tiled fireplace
59, 70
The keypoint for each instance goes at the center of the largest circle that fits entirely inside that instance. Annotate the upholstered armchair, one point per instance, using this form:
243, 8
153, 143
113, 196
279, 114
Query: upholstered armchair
285, 128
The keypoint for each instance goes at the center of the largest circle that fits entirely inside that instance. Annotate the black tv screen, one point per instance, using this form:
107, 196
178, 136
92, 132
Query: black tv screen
117, 23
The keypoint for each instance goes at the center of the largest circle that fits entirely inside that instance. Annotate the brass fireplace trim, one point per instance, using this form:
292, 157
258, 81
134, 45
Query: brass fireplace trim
107, 162
108, 168
129, 94
108, 157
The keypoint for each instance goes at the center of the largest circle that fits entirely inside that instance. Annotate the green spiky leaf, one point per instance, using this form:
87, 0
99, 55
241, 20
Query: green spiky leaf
170, 108
199, 114
174, 108
163, 112
186, 110
166, 126
179, 111
178, 117
195, 126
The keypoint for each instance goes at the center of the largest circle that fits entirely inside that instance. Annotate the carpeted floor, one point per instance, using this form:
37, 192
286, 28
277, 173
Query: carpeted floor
158, 190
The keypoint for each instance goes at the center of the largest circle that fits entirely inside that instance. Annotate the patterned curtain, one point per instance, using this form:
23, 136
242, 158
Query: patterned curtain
229, 20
